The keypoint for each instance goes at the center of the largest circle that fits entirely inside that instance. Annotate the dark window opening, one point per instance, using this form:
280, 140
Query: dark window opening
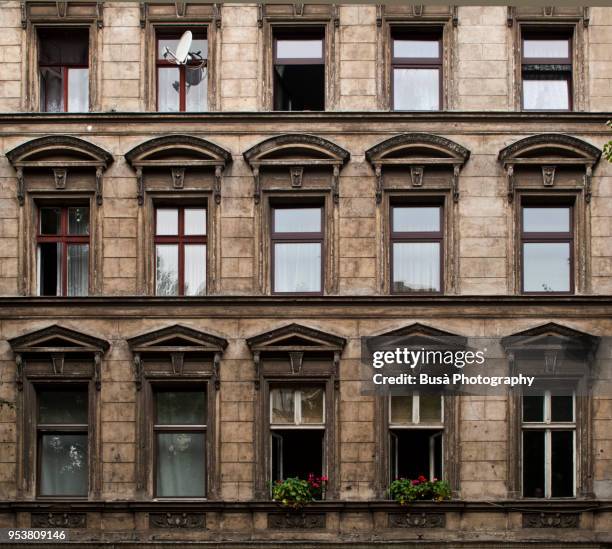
297, 453
299, 70
416, 452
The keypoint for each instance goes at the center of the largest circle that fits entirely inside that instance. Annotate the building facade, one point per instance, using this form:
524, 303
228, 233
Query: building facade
191, 253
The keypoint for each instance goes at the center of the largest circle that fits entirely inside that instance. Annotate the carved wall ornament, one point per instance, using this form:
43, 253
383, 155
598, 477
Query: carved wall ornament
296, 359
57, 360
336, 185
548, 176
588, 173
417, 10
140, 186
98, 371
177, 520
181, 8
59, 520
217, 186
60, 175
138, 374
178, 361
416, 175
417, 520
296, 173
551, 520
19, 371
20, 187
379, 183
178, 177
455, 185
298, 10
510, 183
62, 7
296, 520
99, 191
257, 185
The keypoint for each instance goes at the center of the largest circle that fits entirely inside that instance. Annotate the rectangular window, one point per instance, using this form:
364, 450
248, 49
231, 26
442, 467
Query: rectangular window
549, 444
297, 250
62, 429
415, 433
297, 431
180, 442
416, 248
184, 86
416, 64
180, 251
63, 251
547, 249
63, 65
299, 70
547, 70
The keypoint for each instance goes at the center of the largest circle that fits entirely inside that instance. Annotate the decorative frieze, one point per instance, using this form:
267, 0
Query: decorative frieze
59, 520
177, 520
417, 520
296, 520
551, 520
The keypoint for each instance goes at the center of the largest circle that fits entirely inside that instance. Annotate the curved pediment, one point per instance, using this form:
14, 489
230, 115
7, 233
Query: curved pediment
177, 338
58, 151
418, 334
296, 149
548, 148
178, 150
551, 336
57, 339
295, 337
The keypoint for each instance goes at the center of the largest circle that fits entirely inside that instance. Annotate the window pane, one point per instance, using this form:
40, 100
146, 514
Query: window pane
78, 220
312, 405
416, 89
78, 90
283, 406
63, 465
533, 464
416, 48
181, 462
195, 221
62, 407
299, 49
297, 267
401, 409
168, 86
430, 408
196, 88
533, 408
78, 269
50, 220
541, 49
297, 220
546, 220
49, 269
546, 267
561, 408
416, 219
167, 221
51, 89
562, 464
62, 47
416, 266
166, 269
546, 94
195, 269
180, 408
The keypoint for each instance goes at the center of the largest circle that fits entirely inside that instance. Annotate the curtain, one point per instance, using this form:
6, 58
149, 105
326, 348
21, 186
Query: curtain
78, 269
63, 465
546, 94
297, 267
166, 269
416, 89
283, 405
312, 405
416, 266
195, 269
181, 465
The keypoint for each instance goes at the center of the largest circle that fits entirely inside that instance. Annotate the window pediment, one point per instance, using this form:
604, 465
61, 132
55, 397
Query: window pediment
177, 338
418, 335
551, 337
57, 338
295, 337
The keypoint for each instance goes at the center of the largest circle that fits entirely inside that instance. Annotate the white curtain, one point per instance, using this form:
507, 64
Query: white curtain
78, 269
297, 267
195, 269
181, 465
545, 94
63, 465
416, 266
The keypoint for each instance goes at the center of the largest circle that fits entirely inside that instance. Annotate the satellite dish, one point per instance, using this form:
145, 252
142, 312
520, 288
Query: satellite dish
182, 49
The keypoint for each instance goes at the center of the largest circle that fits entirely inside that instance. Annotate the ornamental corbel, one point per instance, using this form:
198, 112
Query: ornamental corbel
379, 183
60, 175
257, 364
57, 360
217, 15
140, 186
336, 370
336, 184
138, 374
181, 8
99, 192
20, 187
178, 177
379, 14
178, 360
296, 359
548, 176
19, 371
510, 180
456, 170
588, 173
416, 175
98, 371
217, 370
217, 187
296, 174
257, 182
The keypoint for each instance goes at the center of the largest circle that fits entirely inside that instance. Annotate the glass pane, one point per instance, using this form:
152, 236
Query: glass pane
546, 220
533, 464
562, 464
181, 462
418, 49
166, 279
198, 45
561, 408
62, 407
195, 221
168, 86
299, 49
297, 220
430, 408
78, 220
51, 89
50, 220
78, 269
533, 408
196, 88
312, 405
401, 409
541, 49
167, 222
416, 89
283, 406
49, 269
195, 269
297, 267
180, 408
546, 94
62, 47
78, 90
416, 266
416, 219
63, 465
546, 267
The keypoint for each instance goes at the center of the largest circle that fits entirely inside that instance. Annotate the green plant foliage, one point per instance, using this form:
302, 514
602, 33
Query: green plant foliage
296, 492
607, 150
405, 491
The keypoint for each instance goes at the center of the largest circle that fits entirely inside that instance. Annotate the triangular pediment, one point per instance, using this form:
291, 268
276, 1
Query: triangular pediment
177, 338
295, 337
418, 335
551, 336
58, 339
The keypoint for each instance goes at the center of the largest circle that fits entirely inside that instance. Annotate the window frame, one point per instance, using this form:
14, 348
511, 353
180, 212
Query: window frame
547, 238
297, 409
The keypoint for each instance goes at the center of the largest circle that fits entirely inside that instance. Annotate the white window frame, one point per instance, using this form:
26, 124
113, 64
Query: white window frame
297, 412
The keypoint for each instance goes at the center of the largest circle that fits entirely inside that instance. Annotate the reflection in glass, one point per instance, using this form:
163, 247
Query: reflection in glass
297, 267
181, 464
312, 405
50, 220
180, 408
196, 88
299, 49
78, 221
167, 221
533, 408
562, 408
546, 94
283, 405
297, 220
562, 464
63, 465
416, 49
198, 45
78, 90
416, 219
546, 220
401, 409
62, 407
416, 266
51, 89
430, 408
168, 99
195, 221
166, 269
541, 49
195, 269
416, 89
546, 266
78, 269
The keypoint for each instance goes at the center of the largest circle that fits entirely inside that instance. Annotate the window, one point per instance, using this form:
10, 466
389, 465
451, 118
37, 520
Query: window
182, 87
63, 64
547, 249
416, 69
180, 442
297, 427
547, 70
299, 70
415, 430
549, 432
63, 251
180, 251
416, 248
297, 246
62, 430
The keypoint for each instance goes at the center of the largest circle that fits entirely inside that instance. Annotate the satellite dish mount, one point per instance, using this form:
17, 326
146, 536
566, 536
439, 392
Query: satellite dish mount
182, 55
